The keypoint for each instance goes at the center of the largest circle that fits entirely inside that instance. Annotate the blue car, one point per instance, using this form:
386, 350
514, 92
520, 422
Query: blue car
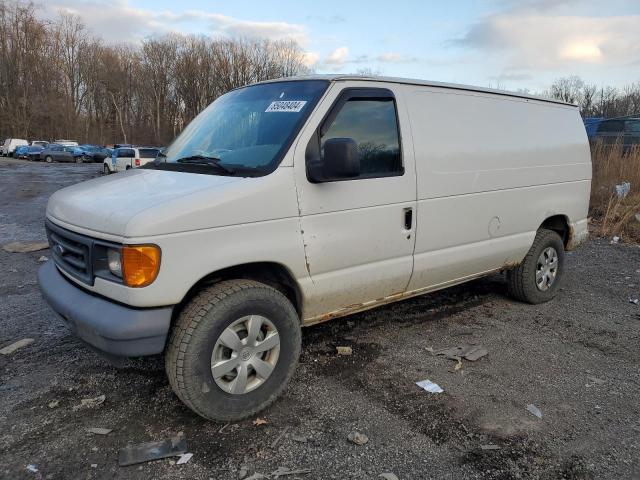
33, 152
21, 151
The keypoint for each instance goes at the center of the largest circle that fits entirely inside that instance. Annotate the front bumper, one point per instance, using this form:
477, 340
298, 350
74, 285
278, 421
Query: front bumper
109, 327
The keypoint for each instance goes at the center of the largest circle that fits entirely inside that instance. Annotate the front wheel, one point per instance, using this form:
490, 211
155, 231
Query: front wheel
233, 349
48, 159
105, 169
539, 276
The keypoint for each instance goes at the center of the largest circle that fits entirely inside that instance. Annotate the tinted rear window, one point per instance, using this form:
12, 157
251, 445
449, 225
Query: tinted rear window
611, 126
148, 152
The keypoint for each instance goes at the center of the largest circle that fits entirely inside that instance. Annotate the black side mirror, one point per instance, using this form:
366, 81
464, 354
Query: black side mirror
341, 161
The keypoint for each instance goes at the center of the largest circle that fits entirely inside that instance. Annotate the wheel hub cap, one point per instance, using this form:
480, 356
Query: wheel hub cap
245, 354
546, 269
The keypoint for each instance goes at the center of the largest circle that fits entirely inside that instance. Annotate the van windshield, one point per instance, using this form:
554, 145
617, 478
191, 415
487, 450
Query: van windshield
245, 132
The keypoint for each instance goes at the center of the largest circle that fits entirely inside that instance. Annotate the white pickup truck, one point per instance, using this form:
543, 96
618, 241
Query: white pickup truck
292, 202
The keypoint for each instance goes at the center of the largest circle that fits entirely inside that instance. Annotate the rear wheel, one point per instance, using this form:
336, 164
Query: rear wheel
105, 169
233, 349
539, 276
79, 160
48, 159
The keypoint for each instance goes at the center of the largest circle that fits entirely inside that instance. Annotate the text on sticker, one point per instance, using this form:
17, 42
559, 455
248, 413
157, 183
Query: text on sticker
286, 106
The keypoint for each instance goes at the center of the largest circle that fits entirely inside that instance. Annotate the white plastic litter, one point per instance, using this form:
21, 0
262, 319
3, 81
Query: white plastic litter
623, 189
184, 458
429, 386
534, 410
32, 468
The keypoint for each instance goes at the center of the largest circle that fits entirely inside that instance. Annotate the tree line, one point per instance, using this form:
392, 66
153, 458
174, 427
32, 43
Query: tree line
57, 80
595, 101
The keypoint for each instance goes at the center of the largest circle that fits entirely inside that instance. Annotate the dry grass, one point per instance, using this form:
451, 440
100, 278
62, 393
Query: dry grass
613, 216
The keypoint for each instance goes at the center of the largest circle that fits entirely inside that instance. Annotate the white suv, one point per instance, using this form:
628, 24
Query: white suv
124, 158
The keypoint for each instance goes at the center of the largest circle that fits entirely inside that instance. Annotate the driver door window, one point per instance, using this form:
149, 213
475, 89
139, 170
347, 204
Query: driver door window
373, 124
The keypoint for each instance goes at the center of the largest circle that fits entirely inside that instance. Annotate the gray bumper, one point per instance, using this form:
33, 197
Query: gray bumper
110, 327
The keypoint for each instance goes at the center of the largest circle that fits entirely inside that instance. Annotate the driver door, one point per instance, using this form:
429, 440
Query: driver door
358, 233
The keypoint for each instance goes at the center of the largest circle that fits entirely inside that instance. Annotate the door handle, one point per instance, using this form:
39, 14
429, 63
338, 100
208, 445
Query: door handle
408, 218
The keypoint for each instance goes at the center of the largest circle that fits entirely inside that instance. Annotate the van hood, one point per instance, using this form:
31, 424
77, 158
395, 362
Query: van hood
142, 203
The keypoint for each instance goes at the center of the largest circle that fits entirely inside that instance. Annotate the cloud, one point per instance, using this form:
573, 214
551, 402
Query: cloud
337, 57
118, 21
528, 41
395, 57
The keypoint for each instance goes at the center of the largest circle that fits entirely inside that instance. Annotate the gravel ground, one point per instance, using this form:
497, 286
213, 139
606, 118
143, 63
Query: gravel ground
575, 358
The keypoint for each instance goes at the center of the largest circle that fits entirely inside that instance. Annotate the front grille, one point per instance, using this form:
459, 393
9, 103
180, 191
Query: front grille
71, 252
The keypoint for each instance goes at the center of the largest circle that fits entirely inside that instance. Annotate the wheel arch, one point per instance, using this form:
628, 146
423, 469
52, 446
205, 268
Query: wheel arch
561, 225
273, 274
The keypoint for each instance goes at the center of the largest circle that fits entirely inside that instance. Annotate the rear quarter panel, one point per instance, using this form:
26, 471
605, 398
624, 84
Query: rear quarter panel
490, 170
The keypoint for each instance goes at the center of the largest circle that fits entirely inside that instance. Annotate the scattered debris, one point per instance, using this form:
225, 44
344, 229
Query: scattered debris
534, 410
9, 349
53, 403
242, 473
468, 352
25, 247
429, 386
279, 437
388, 476
145, 452
99, 431
260, 421
90, 402
299, 438
358, 438
490, 447
256, 476
43, 259
184, 458
623, 189
283, 471
223, 427
32, 468
635, 301
344, 351
615, 239
94, 465
595, 380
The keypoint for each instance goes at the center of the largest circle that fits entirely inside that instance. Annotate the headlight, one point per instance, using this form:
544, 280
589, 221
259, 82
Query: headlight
140, 264
114, 262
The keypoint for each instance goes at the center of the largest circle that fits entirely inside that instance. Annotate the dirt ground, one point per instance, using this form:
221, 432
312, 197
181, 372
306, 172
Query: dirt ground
576, 359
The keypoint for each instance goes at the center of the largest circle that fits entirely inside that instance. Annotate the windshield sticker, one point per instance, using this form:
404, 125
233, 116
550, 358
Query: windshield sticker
286, 106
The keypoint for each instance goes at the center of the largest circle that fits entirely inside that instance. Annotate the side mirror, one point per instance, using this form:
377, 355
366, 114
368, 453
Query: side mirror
341, 161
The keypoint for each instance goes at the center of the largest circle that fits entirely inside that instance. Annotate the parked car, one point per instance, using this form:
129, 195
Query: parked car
33, 152
291, 202
40, 143
95, 152
10, 145
21, 151
124, 158
624, 130
62, 153
67, 143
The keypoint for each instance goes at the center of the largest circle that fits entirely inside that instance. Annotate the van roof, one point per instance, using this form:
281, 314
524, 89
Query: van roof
413, 81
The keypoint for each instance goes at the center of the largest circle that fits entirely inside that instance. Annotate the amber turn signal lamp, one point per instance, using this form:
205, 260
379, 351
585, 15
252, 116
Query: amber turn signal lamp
140, 264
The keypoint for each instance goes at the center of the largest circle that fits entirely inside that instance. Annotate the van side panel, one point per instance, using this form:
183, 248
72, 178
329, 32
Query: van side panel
490, 170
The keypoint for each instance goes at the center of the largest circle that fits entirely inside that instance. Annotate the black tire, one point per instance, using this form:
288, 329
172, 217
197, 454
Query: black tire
48, 159
521, 281
105, 169
199, 326
79, 160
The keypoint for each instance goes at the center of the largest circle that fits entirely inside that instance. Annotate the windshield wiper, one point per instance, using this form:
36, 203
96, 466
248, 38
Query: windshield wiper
205, 160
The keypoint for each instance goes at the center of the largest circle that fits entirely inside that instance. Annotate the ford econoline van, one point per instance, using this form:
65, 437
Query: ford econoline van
292, 202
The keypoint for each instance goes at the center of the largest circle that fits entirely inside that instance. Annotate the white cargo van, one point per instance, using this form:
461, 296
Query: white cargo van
10, 145
292, 202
